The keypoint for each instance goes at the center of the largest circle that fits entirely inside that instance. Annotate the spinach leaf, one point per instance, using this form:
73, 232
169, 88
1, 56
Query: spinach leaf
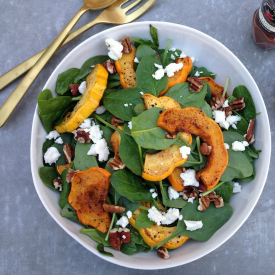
47, 175
142, 220
146, 132
107, 133
242, 125
51, 109
128, 248
212, 219
177, 203
249, 111
145, 81
87, 66
122, 103
66, 188
207, 109
136, 238
203, 72
100, 249
182, 94
46, 145
113, 81
225, 191
96, 235
116, 196
129, 205
65, 79
130, 186
109, 168
69, 213
238, 166
154, 35
82, 161
140, 41
208, 96
144, 50
129, 153
139, 108
252, 153
230, 137
170, 56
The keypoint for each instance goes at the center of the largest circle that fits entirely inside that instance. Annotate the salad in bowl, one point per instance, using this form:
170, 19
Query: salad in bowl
145, 148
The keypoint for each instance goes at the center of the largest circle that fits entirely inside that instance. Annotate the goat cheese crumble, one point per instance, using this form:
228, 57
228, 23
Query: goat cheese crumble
52, 135
130, 125
219, 117
239, 145
193, 225
51, 155
237, 188
161, 217
101, 149
123, 221
172, 193
191, 199
169, 70
59, 140
225, 104
129, 214
115, 48
82, 87
226, 146
136, 60
185, 151
189, 178
100, 110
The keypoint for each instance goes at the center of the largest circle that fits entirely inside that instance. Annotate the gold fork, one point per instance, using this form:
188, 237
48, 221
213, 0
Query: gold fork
114, 14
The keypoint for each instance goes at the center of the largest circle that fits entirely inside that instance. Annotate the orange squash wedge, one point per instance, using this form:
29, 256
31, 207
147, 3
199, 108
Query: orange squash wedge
160, 165
194, 121
96, 85
155, 234
216, 89
181, 75
61, 168
126, 70
88, 194
164, 102
175, 179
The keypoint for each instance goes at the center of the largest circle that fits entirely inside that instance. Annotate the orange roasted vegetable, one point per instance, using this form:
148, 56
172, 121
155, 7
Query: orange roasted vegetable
155, 234
181, 75
126, 70
96, 85
160, 165
88, 194
216, 89
175, 179
61, 168
194, 121
164, 102
116, 163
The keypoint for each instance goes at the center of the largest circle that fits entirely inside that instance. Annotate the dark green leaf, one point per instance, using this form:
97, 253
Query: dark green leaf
129, 205
100, 249
144, 50
128, 248
136, 238
130, 186
69, 213
47, 175
225, 191
207, 109
154, 35
142, 220
203, 72
176, 203
139, 41
96, 235
65, 79
66, 188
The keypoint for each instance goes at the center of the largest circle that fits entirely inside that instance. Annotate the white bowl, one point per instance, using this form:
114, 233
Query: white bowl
215, 57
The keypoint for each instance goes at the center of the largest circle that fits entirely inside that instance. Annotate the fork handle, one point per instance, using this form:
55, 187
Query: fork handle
26, 65
13, 100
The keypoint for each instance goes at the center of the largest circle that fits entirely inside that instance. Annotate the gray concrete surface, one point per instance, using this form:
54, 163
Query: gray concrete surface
31, 242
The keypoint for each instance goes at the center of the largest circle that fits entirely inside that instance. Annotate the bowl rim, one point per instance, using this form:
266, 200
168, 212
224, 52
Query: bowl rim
36, 121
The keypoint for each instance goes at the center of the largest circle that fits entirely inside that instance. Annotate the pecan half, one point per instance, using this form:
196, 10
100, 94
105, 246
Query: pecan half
81, 136
204, 203
217, 102
218, 202
237, 104
70, 174
115, 121
116, 163
196, 84
74, 89
115, 241
169, 136
249, 136
126, 43
57, 184
189, 192
68, 152
125, 235
227, 111
163, 253
110, 66
205, 149
113, 208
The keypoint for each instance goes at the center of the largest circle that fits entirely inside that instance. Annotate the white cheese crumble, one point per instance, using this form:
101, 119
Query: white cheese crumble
51, 155
225, 104
239, 145
95, 133
123, 221
154, 195
136, 60
101, 149
161, 217
152, 190
226, 146
100, 110
126, 105
197, 74
59, 140
129, 214
169, 70
189, 178
219, 117
123, 237
185, 151
115, 48
52, 135
191, 199
183, 55
180, 217
82, 87
237, 188
130, 125
172, 193
159, 74
173, 57
172, 49
141, 93
193, 225
86, 124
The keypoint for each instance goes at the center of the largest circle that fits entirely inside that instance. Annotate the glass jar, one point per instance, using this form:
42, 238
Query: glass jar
263, 29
